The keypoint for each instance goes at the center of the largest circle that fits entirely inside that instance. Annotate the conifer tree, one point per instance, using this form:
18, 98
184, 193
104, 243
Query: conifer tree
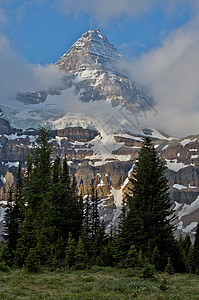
99, 243
79, 255
36, 196
81, 208
10, 226
95, 222
182, 251
147, 224
66, 209
70, 251
190, 260
40, 169
196, 250
131, 258
58, 198
75, 213
187, 244
27, 238
14, 214
86, 226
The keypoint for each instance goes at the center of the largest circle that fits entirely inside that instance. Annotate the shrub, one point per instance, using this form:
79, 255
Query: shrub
132, 258
163, 284
169, 267
4, 267
32, 261
148, 271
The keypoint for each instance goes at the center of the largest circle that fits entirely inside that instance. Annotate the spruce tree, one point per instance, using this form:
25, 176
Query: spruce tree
147, 224
70, 252
66, 209
39, 171
14, 214
191, 260
86, 226
99, 244
36, 197
95, 221
75, 213
27, 238
79, 255
196, 250
10, 229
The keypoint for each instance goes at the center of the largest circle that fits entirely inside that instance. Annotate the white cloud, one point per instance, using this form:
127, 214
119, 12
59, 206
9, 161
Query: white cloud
18, 75
172, 72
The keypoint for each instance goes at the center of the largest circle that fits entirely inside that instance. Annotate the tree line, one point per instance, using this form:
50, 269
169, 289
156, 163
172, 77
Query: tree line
47, 225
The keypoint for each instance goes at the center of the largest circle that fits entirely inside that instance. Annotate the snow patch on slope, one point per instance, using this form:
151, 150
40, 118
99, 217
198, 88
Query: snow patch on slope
190, 227
3, 179
103, 147
179, 186
118, 197
189, 208
2, 211
174, 165
185, 142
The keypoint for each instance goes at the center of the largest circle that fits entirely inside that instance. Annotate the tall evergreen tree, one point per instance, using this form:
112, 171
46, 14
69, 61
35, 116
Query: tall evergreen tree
86, 226
10, 228
196, 250
14, 214
147, 224
27, 238
95, 221
36, 196
39, 171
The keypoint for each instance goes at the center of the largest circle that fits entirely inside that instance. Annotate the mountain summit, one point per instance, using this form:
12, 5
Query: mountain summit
93, 71
92, 48
95, 64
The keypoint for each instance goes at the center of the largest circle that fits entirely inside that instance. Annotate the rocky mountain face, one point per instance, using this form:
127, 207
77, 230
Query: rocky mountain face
93, 63
107, 162
100, 151
93, 68
36, 97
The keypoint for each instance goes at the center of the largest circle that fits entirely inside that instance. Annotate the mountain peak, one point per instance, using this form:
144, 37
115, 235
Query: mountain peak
93, 36
94, 41
93, 47
93, 62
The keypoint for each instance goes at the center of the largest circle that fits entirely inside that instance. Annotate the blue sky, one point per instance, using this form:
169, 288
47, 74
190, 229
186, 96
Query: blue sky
41, 31
160, 38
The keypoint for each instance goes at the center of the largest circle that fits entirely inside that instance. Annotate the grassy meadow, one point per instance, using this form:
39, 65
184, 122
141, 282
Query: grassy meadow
97, 283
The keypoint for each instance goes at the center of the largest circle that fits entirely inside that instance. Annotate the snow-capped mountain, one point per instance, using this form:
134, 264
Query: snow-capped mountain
93, 74
94, 118
94, 63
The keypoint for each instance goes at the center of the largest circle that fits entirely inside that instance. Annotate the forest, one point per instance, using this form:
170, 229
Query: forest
48, 226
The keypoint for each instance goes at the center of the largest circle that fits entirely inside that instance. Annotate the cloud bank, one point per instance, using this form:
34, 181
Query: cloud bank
18, 75
172, 72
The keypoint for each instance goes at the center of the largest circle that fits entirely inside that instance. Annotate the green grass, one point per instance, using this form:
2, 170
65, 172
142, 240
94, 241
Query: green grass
97, 283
